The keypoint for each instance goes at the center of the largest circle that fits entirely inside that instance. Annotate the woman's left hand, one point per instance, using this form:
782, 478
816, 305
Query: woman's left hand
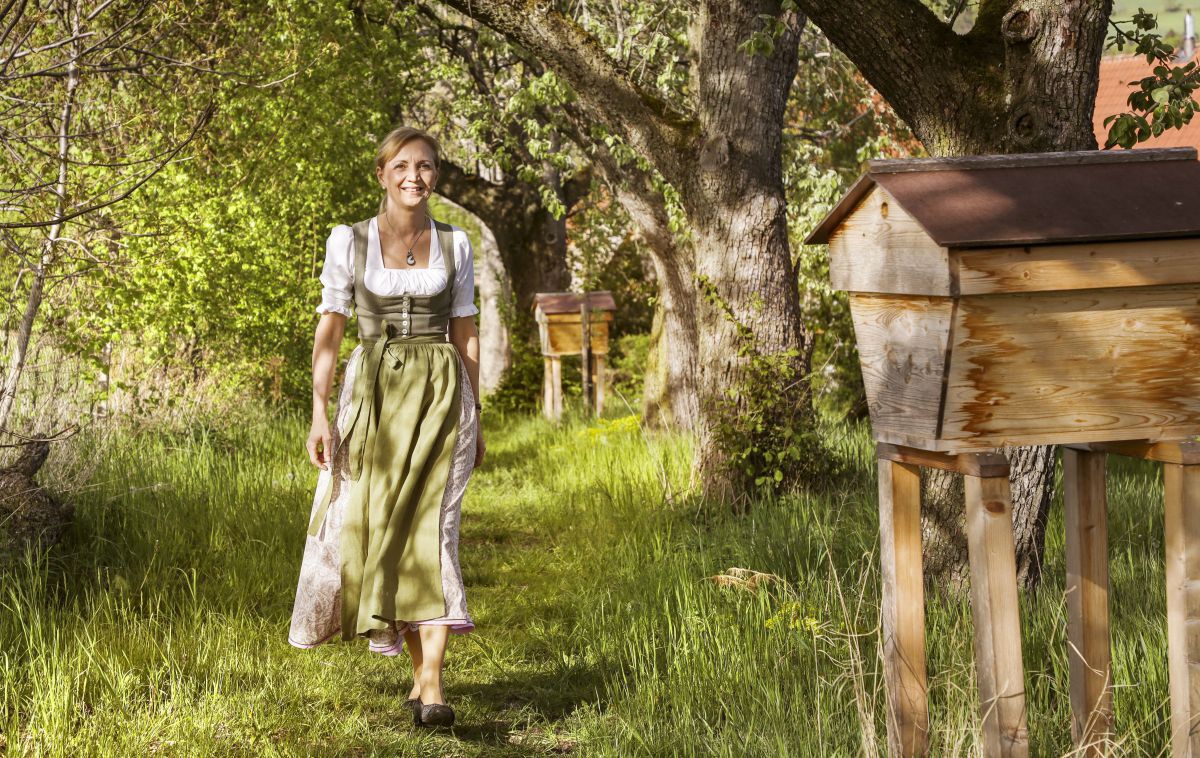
479, 448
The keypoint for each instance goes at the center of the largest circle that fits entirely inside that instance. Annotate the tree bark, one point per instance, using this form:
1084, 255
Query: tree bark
1022, 80
737, 208
495, 301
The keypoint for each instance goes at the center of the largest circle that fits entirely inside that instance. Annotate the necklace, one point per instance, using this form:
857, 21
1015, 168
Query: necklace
410, 260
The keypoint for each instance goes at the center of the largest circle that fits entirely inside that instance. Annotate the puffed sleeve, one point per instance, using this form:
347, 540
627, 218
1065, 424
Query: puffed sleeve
337, 275
463, 301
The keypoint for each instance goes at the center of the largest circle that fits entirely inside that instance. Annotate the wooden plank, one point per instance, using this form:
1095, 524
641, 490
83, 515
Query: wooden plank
598, 379
979, 464
548, 387
1064, 158
1089, 651
1175, 451
1092, 265
879, 247
902, 351
1094, 366
566, 338
902, 612
997, 618
1181, 488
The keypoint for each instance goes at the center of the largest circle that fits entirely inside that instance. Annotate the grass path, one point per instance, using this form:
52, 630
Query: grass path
160, 627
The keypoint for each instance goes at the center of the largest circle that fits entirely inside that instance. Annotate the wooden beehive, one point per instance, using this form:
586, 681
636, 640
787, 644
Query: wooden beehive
559, 321
1030, 299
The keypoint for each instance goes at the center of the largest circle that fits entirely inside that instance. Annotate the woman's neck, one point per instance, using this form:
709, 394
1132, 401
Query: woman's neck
405, 221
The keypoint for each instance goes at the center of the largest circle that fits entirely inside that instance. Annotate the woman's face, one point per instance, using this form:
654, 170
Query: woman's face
410, 175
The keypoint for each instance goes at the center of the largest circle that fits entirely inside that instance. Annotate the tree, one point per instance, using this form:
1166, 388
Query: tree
94, 92
719, 149
1023, 79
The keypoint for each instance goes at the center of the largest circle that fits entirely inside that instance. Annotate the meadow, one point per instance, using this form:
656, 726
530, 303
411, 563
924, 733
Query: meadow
159, 627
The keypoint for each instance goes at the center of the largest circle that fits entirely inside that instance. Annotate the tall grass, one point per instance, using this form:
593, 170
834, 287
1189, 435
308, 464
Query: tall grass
160, 626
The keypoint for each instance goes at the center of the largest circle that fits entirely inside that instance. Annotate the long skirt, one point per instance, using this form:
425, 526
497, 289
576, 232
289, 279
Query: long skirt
382, 550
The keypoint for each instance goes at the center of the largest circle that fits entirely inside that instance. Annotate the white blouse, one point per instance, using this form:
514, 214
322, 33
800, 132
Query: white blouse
337, 275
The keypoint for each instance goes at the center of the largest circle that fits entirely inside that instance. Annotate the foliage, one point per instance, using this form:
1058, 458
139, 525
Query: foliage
761, 426
627, 357
1165, 99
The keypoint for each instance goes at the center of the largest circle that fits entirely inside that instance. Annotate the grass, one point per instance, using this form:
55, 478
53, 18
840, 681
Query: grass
159, 627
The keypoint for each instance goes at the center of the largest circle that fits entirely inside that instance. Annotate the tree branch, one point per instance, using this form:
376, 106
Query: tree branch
605, 89
895, 43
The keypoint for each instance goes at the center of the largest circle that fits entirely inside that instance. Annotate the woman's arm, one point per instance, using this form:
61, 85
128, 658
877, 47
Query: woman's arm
326, 343
465, 336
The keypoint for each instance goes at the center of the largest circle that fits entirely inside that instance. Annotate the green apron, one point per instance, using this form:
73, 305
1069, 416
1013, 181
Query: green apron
403, 426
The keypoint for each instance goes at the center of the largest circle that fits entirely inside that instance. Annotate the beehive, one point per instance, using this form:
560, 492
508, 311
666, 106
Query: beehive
1051, 298
559, 321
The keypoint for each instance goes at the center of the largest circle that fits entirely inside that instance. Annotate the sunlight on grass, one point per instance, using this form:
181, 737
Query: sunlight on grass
159, 627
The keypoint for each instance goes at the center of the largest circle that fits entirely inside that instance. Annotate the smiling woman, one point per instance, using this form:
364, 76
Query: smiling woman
381, 560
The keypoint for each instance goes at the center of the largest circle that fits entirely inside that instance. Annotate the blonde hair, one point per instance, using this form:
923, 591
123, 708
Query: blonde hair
401, 136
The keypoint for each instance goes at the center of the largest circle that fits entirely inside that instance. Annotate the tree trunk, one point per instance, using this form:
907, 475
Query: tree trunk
669, 395
528, 251
1022, 80
496, 302
737, 210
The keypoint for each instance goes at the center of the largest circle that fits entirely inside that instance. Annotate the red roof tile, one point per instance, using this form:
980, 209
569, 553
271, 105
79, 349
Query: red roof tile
1115, 74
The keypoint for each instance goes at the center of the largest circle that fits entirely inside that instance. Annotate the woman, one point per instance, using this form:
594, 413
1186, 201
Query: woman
381, 559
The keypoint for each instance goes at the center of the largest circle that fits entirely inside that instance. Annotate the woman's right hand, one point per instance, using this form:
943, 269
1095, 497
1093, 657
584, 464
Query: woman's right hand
320, 443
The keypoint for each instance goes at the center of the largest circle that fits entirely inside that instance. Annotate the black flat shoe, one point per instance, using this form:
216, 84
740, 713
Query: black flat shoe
412, 703
433, 715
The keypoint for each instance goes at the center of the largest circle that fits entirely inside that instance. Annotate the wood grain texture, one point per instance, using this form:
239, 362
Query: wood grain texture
879, 247
567, 338
1181, 488
977, 464
902, 611
902, 350
997, 618
1089, 650
1074, 267
1174, 451
1094, 366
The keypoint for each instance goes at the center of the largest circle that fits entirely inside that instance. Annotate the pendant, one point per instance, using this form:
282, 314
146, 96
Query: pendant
410, 259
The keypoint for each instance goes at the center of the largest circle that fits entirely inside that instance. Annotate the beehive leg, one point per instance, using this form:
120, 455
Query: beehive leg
548, 387
1089, 649
556, 386
903, 608
997, 619
1181, 485
598, 382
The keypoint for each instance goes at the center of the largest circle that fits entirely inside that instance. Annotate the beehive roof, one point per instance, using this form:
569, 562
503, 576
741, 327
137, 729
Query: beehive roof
569, 302
1038, 198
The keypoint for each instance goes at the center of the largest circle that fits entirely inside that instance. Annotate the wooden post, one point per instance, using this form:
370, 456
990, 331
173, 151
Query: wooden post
997, 617
598, 382
1089, 649
552, 387
585, 349
1181, 485
903, 608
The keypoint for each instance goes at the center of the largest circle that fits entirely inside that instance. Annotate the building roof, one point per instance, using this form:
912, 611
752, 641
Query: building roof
569, 302
1038, 198
1116, 72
